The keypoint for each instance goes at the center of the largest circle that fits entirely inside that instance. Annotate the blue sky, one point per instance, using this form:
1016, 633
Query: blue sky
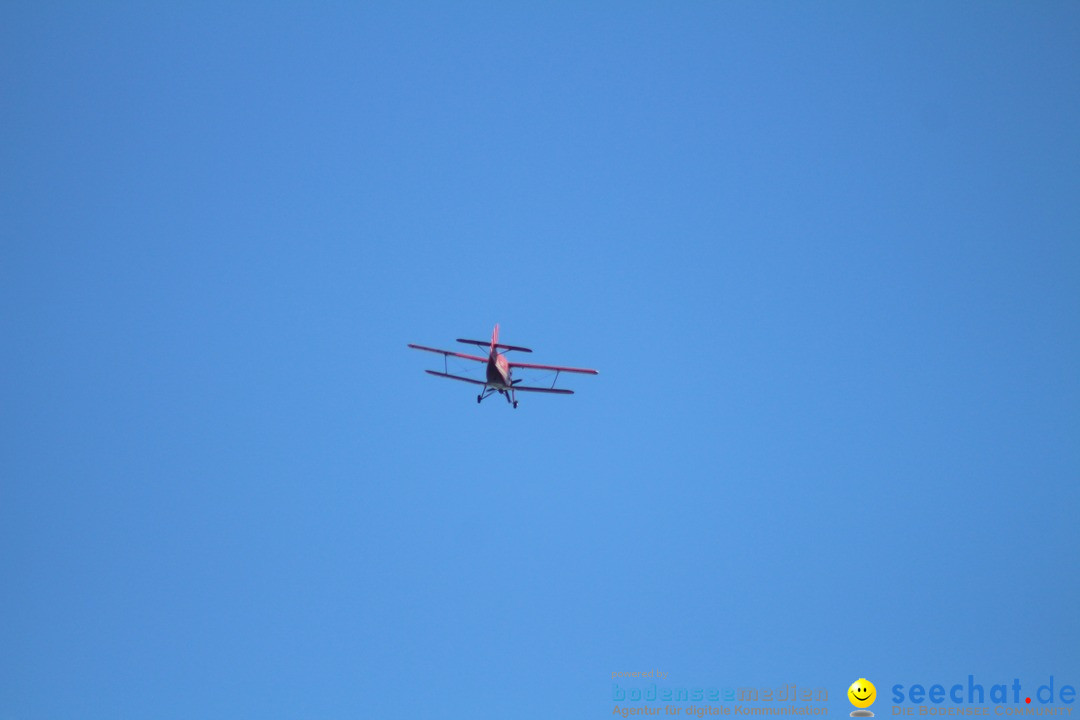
826, 258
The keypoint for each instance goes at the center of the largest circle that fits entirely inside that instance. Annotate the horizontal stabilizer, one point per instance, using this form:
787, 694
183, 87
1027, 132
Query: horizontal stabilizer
487, 344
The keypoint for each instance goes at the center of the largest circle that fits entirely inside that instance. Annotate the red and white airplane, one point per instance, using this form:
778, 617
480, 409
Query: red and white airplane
499, 369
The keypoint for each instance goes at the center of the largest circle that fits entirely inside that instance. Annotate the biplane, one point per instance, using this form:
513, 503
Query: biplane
500, 370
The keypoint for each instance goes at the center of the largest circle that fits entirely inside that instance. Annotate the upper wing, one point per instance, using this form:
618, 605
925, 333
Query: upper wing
560, 368
448, 352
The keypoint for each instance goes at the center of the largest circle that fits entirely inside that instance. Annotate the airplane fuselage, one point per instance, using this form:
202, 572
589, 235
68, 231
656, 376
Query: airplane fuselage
498, 371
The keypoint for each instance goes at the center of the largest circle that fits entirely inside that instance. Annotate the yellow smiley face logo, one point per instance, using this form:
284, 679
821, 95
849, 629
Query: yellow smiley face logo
862, 693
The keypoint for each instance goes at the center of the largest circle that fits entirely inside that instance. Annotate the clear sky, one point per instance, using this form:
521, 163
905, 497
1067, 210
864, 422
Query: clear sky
826, 257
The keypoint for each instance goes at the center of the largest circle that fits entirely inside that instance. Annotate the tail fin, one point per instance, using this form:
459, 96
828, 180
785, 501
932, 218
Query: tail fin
494, 338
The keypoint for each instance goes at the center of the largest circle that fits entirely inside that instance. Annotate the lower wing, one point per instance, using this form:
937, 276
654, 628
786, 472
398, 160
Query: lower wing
455, 377
555, 391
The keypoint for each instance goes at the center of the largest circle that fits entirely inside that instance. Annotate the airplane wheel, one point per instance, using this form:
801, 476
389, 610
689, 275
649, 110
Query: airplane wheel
515, 404
479, 398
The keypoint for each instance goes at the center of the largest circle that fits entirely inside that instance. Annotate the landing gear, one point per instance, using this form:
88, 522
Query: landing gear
508, 394
515, 404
